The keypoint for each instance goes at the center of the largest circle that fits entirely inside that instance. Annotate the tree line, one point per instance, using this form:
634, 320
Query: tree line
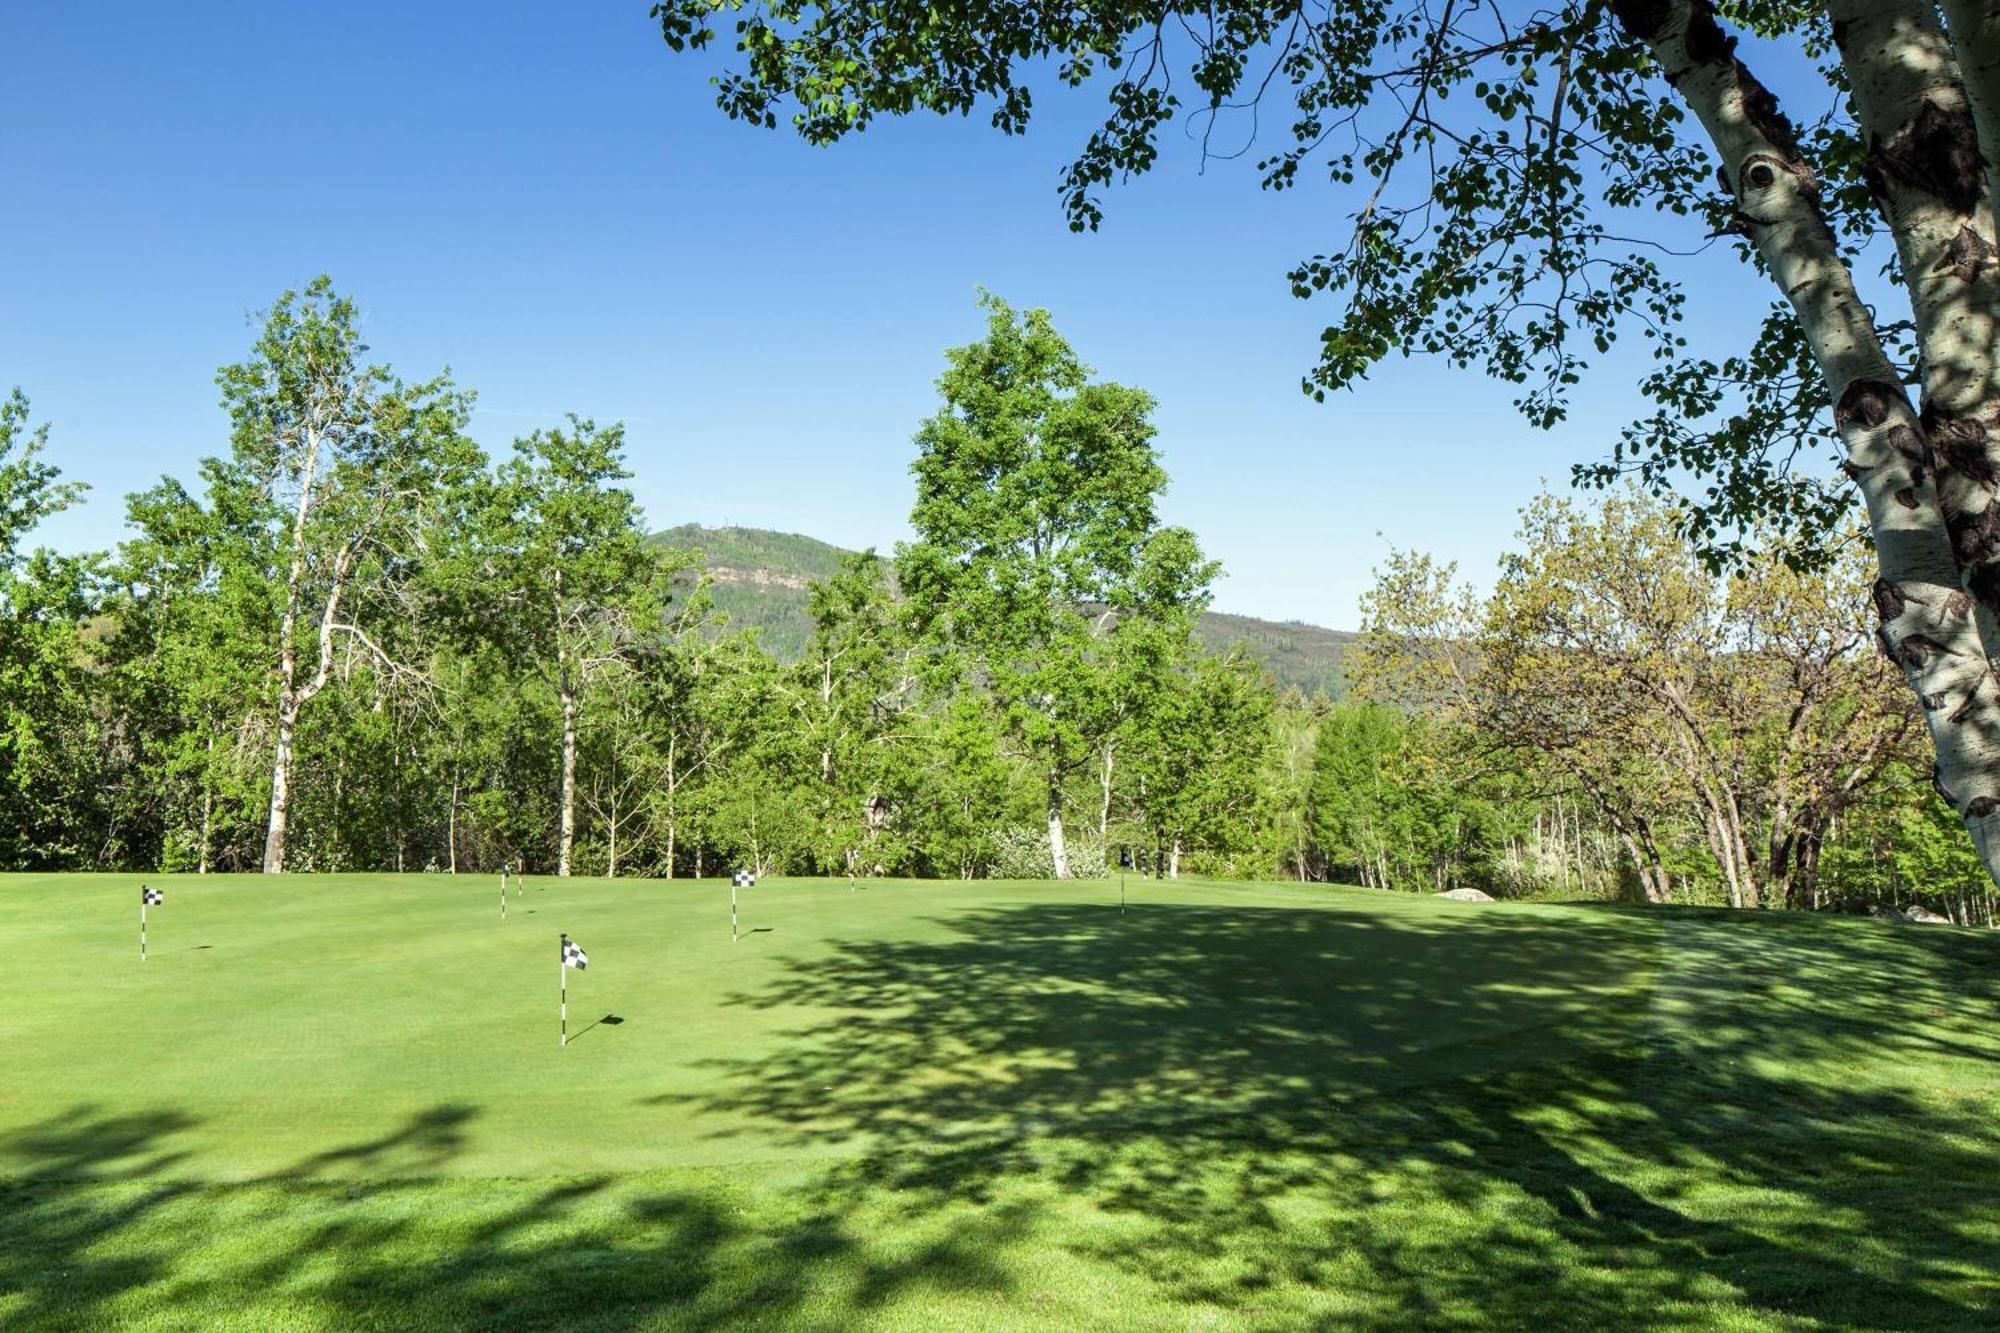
1616, 716
354, 641
1525, 184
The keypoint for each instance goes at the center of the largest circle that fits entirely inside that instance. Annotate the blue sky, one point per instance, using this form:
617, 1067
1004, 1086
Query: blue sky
542, 197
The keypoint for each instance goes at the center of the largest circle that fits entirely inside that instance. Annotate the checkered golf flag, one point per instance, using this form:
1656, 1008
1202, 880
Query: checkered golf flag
573, 954
151, 897
742, 879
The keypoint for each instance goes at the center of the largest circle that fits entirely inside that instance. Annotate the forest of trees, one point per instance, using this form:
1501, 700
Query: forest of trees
356, 642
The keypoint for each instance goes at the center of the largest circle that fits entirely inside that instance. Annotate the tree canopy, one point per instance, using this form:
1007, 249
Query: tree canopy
1521, 182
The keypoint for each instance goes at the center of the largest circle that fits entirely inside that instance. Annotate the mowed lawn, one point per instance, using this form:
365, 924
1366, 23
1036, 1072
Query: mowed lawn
337, 1102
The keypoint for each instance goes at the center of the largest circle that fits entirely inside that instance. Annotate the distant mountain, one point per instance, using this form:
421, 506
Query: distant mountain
760, 579
1308, 656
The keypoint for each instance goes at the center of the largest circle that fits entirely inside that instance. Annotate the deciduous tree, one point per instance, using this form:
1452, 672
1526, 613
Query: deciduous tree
568, 563
1038, 542
336, 466
1522, 183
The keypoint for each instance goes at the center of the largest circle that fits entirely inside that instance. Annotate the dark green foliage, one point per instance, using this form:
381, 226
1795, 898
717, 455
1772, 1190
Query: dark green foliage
752, 550
1298, 655
759, 580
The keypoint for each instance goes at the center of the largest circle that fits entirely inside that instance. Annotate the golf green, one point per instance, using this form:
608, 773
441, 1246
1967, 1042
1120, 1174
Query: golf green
339, 1102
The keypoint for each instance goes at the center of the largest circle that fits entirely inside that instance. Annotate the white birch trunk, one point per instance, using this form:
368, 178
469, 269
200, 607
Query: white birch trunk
1926, 621
281, 785
567, 838
288, 666
1975, 40
1923, 164
1058, 849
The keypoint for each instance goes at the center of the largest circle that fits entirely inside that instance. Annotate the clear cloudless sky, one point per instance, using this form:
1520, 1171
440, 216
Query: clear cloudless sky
542, 197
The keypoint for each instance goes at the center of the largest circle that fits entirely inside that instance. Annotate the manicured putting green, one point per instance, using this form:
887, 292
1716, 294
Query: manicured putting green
338, 1102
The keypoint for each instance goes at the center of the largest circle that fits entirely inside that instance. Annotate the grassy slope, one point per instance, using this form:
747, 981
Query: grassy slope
337, 1103
760, 580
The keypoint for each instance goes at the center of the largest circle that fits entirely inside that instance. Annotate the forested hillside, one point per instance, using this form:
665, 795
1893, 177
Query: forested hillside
760, 580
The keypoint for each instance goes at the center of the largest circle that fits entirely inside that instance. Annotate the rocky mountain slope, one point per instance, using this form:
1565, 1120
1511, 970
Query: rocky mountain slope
761, 577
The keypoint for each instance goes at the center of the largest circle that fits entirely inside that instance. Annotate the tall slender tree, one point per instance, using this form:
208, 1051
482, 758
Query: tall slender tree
1038, 538
341, 464
573, 575
848, 694
50, 740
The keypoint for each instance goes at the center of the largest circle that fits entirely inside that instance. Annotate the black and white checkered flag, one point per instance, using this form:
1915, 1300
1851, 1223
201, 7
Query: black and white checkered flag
147, 898
742, 879
573, 956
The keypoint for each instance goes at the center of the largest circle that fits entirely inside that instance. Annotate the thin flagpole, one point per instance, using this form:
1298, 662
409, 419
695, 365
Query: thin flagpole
142, 923
562, 982
732, 908
503, 893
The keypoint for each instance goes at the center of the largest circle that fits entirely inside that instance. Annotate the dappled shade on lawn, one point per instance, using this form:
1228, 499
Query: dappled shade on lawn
1216, 1110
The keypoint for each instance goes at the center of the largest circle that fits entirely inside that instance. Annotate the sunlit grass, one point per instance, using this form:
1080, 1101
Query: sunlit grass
338, 1102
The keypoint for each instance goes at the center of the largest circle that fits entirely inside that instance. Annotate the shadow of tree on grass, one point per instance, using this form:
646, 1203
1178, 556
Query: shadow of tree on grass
1491, 1120
1190, 1116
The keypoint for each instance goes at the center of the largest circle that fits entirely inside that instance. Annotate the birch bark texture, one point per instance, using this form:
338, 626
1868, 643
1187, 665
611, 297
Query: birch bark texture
343, 465
1930, 508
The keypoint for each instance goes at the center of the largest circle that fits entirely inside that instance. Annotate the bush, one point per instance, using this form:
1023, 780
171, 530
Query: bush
1021, 851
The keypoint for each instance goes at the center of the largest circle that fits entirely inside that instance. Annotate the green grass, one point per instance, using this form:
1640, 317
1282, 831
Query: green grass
337, 1103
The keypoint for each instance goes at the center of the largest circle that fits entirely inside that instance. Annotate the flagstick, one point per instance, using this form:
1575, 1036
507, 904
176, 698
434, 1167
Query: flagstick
142, 923
562, 982
503, 893
732, 909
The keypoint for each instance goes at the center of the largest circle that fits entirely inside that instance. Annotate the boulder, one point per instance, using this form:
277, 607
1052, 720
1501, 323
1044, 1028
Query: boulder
1466, 896
1916, 914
